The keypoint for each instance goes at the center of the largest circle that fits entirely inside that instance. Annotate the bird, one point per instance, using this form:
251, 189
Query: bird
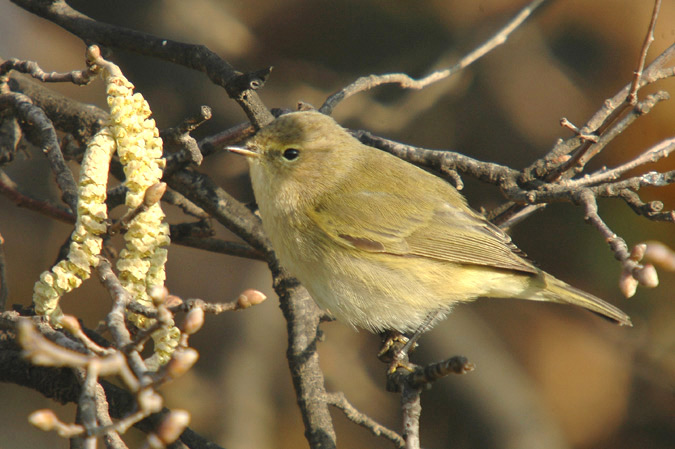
379, 243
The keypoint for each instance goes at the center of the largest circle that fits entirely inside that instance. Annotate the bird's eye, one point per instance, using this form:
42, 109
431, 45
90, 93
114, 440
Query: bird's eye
291, 154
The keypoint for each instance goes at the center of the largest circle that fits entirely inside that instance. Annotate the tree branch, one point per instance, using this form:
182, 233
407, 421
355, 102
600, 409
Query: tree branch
339, 400
302, 323
240, 87
406, 82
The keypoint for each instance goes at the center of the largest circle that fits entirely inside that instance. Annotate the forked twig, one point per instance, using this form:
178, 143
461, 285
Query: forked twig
339, 400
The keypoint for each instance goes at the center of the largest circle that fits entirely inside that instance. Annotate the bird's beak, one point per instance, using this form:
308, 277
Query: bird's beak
243, 151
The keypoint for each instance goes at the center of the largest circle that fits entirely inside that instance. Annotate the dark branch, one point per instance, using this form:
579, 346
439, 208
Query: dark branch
41, 133
197, 57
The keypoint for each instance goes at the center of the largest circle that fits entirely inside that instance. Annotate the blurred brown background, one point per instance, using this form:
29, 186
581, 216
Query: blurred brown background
547, 375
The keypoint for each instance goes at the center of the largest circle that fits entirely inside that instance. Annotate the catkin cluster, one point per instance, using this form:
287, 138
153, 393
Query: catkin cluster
133, 135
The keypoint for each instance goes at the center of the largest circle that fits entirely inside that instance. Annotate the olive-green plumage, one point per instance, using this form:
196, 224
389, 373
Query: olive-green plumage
378, 242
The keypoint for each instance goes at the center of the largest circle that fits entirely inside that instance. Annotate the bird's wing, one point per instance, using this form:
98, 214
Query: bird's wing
375, 221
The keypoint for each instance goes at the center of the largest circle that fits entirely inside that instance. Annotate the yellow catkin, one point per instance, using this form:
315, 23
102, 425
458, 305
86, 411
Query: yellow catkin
133, 134
141, 263
86, 242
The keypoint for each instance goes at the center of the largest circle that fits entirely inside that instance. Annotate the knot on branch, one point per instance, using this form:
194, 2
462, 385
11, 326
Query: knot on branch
418, 377
180, 136
248, 81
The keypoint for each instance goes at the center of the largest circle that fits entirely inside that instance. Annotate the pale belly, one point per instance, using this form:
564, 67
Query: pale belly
379, 292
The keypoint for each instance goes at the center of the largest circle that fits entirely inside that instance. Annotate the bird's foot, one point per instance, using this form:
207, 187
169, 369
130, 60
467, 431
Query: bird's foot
395, 350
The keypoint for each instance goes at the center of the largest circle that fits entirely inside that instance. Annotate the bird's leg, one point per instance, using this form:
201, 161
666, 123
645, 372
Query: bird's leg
392, 343
397, 346
425, 326
393, 352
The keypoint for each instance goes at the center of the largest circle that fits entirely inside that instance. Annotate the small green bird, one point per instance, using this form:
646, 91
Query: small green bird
379, 243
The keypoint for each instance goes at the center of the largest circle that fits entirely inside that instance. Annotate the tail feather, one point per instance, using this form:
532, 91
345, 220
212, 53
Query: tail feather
558, 291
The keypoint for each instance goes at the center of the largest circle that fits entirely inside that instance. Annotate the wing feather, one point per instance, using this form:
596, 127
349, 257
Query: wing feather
376, 221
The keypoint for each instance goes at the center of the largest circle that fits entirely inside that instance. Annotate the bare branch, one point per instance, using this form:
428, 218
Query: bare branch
581, 158
4, 288
187, 206
11, 190
77, 77
180, 135
209, 145
658, 151
152, 196
240, 87
443, 161
81, 120
612, 109
406, 82
303, 317
643, 274
652, 210
422, 376
339, 400
41, 133
87, 403
649, 38
202, 191
411, 406
115, 319
245, 300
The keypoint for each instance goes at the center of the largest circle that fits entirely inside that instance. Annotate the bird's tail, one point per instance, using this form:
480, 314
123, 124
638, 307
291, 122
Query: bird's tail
558, 291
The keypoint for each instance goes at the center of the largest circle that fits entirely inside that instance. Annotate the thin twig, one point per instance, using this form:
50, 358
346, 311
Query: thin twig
80, 120
644, 274
612, 108
410, 380
235, 134
549, 193
115, 319
506, 222
4, 288
557, 161
649, 38
202, 191
411, 407
188, 207
41, 133
658, 151
209, 145
215, 245
338, 400
11, 190
245, 300
72, 325
111, 438
652, 209
152, 196
405, 81
87, 403
77, 77
422, 376
180, 135
581, 158
443, 161
650, 179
